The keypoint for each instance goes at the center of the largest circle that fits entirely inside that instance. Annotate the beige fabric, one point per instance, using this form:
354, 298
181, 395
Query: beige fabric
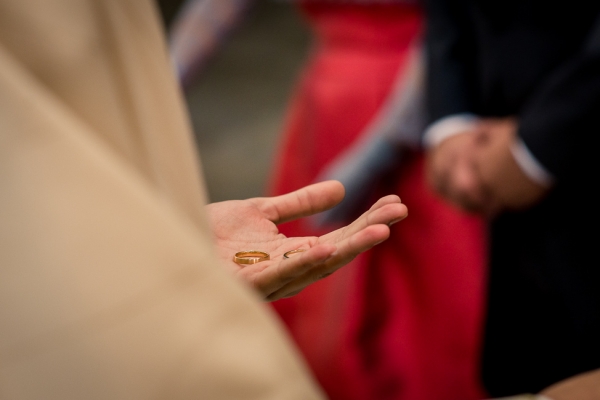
109, 288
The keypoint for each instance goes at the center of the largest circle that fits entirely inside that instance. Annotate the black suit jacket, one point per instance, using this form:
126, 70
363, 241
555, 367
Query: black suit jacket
538, 61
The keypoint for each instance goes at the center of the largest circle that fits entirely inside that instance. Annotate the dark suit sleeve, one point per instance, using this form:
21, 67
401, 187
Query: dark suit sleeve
558, 123
449, 51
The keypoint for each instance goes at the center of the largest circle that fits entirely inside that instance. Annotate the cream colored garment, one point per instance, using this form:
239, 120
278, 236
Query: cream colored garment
109, 288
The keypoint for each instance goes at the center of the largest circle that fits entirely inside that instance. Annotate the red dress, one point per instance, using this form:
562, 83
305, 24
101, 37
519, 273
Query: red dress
402, 321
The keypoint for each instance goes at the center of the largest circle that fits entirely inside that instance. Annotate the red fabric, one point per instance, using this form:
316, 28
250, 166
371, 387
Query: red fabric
402, 321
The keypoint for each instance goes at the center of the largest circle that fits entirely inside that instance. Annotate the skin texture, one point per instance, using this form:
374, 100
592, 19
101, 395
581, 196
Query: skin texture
476, 171
581, 387
241, 225
452, 174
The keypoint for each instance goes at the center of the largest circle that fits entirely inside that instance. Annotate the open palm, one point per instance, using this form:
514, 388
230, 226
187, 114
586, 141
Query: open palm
243, 225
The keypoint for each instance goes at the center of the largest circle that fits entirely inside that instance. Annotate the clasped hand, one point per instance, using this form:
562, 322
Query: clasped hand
241, 225
476, 170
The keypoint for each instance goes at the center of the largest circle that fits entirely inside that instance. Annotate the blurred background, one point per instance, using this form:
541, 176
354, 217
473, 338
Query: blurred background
238, 100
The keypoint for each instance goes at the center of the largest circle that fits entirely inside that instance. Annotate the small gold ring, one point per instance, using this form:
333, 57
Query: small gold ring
250, 257
289, 253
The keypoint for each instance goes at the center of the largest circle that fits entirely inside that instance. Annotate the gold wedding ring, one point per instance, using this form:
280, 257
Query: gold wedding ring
287, 254
250, 257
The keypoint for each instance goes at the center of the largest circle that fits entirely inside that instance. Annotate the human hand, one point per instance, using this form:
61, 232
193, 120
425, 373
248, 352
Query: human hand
451, 172
502, 181
241, 225
476, 170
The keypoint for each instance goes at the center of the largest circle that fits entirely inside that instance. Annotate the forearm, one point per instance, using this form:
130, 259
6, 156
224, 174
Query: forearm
562, 115
449, 52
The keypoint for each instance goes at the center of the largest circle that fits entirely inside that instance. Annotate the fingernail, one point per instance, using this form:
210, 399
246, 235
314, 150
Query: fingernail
396, 221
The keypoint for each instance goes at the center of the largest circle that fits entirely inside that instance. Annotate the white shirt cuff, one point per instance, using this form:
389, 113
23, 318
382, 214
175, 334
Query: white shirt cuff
530, 166
448, 126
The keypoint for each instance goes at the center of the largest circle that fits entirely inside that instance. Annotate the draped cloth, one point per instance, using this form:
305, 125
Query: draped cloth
109, 286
